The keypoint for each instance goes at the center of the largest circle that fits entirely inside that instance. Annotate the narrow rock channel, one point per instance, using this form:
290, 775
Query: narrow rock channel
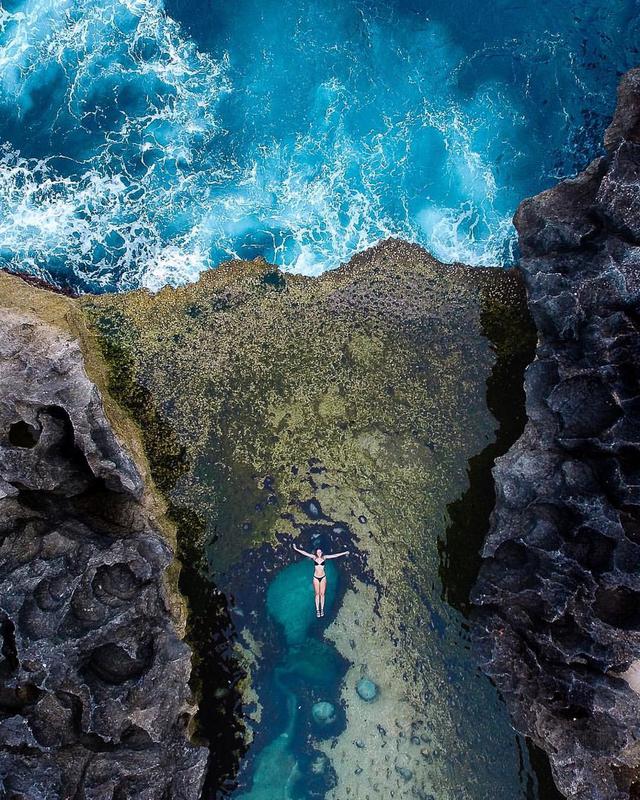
343, 409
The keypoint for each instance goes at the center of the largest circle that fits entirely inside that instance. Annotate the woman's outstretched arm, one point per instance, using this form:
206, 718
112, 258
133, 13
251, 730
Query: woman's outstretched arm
338, 555
302, 552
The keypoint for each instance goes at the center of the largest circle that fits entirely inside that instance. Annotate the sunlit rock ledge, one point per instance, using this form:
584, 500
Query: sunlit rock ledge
358, 407
559, 591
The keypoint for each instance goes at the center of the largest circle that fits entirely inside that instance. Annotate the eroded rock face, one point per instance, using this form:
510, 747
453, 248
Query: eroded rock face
94, 700
559, 591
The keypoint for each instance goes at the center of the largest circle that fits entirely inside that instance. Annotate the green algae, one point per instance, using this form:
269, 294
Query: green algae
292, 397
116, 334
216, 674
365, 390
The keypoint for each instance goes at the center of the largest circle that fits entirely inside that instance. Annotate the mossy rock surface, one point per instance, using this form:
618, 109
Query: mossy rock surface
273, 407
364, 388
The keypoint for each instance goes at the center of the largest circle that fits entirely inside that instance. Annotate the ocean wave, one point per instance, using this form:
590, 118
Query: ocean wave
144, 143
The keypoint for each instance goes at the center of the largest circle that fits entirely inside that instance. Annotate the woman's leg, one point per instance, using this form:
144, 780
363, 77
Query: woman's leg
323, 589
316, 587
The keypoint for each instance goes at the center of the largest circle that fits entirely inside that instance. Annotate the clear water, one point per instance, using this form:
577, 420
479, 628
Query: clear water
302, 668
143, 141
307, 660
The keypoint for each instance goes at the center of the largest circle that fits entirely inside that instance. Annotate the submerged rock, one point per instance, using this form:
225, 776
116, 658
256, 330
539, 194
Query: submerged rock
559, 591
404, 771
323, 713
95, 698
366, 689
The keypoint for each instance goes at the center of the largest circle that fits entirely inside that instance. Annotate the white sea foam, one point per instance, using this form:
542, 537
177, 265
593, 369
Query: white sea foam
107, 215
136, 158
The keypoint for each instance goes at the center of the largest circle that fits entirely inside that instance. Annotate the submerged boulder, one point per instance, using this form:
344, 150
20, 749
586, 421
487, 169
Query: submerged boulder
558, 623
366, 689
323, 713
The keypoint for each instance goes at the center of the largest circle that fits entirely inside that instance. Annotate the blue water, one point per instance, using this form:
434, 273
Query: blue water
306, 660
143, 141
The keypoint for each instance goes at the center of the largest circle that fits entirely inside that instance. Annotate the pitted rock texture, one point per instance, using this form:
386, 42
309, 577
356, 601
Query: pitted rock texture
559, 590
94, 697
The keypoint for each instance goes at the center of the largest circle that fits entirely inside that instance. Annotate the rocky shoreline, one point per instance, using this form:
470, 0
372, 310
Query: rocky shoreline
558, 624
251, 408
95, 699
269, 408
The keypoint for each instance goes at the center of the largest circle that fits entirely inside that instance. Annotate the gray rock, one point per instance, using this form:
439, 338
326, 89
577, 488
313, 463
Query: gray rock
404, 772
558, 595
402, 768
94, 694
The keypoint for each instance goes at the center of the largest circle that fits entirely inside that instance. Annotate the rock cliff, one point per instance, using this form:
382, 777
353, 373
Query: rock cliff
559, 590
94, 700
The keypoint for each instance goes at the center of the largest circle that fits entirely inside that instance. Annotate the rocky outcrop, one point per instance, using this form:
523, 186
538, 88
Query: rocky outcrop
94, 699
559, 590
270, 408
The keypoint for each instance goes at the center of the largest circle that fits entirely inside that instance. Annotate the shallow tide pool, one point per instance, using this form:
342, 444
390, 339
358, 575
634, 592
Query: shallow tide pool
360, 411
355, 705
144, 141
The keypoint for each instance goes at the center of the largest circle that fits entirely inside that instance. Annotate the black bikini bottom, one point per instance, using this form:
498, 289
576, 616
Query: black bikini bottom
316, 578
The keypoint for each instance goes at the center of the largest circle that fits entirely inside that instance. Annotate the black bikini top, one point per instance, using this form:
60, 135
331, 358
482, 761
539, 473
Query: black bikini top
319, 563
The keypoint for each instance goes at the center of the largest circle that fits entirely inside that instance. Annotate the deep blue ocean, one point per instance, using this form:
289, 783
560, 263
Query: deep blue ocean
142, 142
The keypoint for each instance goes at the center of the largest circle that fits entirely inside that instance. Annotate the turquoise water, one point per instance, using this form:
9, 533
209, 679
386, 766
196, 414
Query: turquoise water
325, 720
290, 596
305, 662
143, 141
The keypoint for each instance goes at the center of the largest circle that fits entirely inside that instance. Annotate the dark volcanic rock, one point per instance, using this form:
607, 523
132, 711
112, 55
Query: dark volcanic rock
559, 590
94, 701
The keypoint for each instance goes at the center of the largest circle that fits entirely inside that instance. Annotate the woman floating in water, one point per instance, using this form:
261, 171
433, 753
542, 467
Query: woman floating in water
319, 577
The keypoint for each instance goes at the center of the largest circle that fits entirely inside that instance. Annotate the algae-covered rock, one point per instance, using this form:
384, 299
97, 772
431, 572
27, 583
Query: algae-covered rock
340, 411
366, 689
323, 713
253, 393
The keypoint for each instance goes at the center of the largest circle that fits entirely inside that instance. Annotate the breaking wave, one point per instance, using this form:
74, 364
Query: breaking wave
142, 141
